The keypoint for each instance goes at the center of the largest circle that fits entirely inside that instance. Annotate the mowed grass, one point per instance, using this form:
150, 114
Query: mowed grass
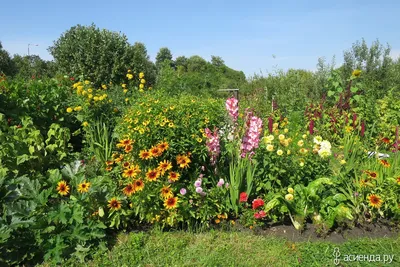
219, 248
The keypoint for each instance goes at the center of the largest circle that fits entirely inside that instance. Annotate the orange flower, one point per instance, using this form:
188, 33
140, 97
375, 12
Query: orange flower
166, 191
183, 161
126, 164
152, 175
386, 140
163, 146
114, 204
128, 148
375, 201
373, 175
109, 168
174, 176
109, 162
155, 152
144, 154
62, 188
132, 172
164, 166
139, 185
385, 163
129, 189
124, 143
171, 203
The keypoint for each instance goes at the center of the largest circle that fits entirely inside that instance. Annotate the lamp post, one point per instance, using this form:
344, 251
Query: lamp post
33, 45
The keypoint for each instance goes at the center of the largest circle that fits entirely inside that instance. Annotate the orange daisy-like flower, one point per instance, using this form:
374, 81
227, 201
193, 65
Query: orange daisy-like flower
166, 191
155, 151
386, 140
163, 146
373, 175
62, 188
83, 187
124, 143
375, 201
183, 161
174, 176
129, 189
139, 185
385, 163
109, 162
128, 148
109, 168
398, 180
114, 204
119, 159
363, 183
132, 172
126, 164
164, 166
171, 203
145, 154
152, 175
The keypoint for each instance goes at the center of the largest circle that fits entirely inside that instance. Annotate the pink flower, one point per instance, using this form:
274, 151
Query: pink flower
197, 183
183, 191
213, 144
221, 182
199, 190
251, 138
232, 107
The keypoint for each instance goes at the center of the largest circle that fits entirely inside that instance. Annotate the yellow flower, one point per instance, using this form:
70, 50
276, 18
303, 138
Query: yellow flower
125, 91
90, 90
69, 110
270, 148
96, 98
84, 92
126, 99
356, 73
141, 75
288, 152
279, 152
90, 96
199, 139
281, 137
123, 85
304, 136
85, 124
290, 190
87, 82
348, 129
289, 197
78, 108
129, 76
83, 187
62, 188
286, 130
142, 81
275, 125
342, 162
300, 143
141, 86
104, 86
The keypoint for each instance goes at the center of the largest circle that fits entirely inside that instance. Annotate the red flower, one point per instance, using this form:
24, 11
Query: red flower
386, 140
260, 214
243, 197
257, 203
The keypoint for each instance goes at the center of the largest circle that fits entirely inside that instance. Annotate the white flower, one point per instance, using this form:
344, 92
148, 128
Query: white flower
318, 140
326, 145
324, 153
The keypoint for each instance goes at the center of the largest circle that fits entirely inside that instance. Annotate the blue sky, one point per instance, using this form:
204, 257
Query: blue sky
246, 34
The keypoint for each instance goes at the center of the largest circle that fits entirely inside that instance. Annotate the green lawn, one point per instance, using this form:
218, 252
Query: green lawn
218, 248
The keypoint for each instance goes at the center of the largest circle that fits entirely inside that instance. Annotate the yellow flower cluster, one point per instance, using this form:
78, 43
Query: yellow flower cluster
78, 108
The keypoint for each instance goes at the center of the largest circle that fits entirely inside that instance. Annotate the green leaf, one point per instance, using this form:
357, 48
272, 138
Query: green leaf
331, 93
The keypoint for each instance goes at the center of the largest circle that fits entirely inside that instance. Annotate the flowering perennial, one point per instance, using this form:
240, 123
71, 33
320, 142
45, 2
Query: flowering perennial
232, 107
252, 137
213, 144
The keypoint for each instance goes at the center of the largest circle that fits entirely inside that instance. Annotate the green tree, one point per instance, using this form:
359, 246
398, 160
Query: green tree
33, 66
140, 62
6, 64
100, 55
164, 55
